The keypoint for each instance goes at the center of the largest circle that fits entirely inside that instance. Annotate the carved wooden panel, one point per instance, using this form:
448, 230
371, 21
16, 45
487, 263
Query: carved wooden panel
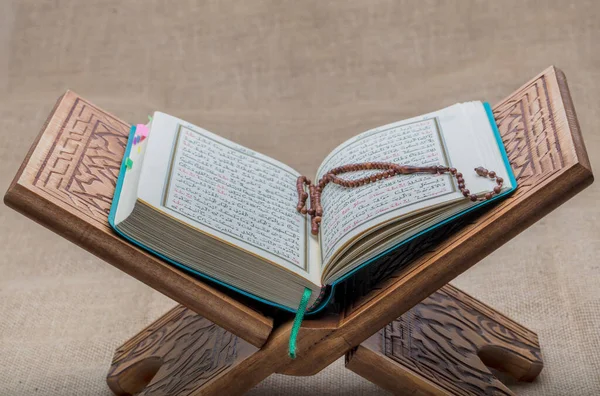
82, 164
67, 184
179, 354
528, 128
442, 345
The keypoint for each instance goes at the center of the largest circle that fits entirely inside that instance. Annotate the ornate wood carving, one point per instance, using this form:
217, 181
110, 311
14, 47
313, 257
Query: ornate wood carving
443, 344
179, 354
529, 133
83, 162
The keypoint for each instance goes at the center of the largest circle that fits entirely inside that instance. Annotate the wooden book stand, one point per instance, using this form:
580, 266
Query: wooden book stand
406, 331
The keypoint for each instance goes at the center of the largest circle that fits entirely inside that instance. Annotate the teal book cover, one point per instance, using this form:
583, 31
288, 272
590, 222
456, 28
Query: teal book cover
328, 290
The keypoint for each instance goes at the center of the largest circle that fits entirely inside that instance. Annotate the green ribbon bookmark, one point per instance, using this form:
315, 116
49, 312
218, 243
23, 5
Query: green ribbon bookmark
298, 322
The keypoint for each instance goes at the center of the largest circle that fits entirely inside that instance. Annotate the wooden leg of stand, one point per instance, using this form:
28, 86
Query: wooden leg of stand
444, 346
182, 353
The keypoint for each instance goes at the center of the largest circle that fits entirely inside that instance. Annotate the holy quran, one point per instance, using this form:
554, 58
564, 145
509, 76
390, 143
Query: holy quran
229, 214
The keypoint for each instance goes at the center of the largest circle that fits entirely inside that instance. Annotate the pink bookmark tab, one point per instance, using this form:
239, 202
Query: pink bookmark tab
141, 130
141, 133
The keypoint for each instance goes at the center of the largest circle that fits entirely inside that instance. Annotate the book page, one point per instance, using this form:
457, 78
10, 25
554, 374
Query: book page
360, 223
350, 212
226, 190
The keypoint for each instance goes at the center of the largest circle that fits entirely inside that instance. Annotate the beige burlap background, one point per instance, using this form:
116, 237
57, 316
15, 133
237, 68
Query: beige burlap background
290, 79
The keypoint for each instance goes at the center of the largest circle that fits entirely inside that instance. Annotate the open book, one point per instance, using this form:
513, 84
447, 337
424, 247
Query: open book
225, 212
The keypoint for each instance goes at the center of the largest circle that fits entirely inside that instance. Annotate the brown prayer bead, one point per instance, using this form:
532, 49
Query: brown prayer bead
481, 171
388, 169
314, 229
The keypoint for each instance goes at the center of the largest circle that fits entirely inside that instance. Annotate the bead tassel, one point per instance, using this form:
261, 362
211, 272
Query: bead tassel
389, 169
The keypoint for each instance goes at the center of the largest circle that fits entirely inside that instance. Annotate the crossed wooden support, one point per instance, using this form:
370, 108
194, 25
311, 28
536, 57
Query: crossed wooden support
404, 329
440, 346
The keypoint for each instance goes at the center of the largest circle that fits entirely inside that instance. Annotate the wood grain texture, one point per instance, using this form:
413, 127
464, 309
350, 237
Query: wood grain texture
444, 345
183, 353
544, 144
66, 183
179, 354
